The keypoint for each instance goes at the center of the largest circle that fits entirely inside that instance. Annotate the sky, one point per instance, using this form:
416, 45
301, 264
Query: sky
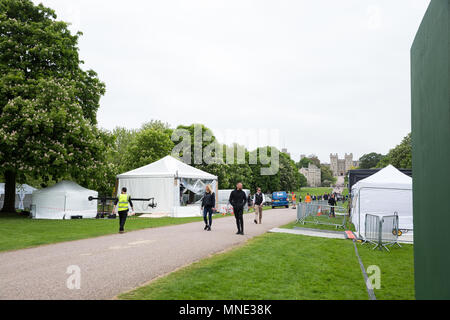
315, 77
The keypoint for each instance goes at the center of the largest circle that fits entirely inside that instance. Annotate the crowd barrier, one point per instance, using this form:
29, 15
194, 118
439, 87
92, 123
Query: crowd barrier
381, 231
319, 212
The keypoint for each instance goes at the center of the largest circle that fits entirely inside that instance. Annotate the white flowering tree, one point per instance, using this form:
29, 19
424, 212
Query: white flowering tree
48, 104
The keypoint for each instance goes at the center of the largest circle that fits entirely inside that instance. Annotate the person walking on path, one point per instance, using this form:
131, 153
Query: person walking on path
124, 201
208, 204
258, 203
238, 199
332, 202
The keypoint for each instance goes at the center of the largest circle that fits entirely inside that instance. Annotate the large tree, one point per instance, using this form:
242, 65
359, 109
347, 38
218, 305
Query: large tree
48, 104
400, 156
370, 160
148, 145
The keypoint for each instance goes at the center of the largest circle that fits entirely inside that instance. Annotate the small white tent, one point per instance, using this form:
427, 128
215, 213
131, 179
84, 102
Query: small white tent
62, 201
176, 187
223, 204
383, 193
23, 196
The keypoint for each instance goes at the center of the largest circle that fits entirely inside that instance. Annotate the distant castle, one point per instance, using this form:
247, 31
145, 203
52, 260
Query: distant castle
313, 175
340, 167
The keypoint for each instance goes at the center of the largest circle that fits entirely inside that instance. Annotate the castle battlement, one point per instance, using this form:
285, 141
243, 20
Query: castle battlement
340, 167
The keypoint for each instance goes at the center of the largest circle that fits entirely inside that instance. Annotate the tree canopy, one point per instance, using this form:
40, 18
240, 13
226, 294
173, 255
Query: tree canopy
370, 160
400, 156
48, 103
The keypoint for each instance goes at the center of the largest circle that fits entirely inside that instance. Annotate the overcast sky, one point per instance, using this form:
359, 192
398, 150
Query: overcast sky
327, 75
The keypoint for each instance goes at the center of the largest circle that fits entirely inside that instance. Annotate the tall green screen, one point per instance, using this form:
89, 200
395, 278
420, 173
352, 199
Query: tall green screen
431, 152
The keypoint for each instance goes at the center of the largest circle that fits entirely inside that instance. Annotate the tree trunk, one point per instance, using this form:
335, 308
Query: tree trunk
9, 205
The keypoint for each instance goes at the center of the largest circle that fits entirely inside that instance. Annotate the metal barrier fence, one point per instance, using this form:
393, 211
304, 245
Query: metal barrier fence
319, 212
382, 231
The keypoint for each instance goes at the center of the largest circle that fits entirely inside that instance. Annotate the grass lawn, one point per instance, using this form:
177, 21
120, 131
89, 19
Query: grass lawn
314, 191
271, 266
19, 232
397, 270
282, 266
311, 225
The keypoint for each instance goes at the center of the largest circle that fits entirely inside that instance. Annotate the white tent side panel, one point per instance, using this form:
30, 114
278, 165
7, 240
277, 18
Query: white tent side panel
383, 202
23, 196
63, 200
162, 189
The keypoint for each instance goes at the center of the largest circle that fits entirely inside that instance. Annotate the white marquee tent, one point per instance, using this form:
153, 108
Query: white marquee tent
23, 196
176, 187
62, 201
383, 193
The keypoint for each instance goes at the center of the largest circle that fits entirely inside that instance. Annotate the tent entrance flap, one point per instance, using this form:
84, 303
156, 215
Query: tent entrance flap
192, 190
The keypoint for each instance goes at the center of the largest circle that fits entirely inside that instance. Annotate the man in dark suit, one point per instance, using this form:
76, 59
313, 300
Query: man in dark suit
238, 199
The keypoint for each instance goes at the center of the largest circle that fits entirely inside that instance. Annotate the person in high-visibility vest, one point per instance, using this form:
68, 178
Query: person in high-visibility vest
294, 201
124, 202
308, 198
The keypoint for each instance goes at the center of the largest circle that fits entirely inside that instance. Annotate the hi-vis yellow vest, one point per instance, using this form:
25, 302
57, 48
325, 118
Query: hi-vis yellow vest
123, 202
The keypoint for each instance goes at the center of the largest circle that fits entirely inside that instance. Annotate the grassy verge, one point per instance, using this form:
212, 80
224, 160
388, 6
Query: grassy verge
271, 266
282, 266
397, 271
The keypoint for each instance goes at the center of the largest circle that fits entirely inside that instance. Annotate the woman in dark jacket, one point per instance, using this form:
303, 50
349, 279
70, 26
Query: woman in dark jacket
208, 204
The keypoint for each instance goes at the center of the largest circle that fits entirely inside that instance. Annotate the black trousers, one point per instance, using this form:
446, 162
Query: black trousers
122, 219
239, 215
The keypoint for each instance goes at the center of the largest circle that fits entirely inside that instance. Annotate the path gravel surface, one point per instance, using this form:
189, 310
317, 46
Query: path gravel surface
113, 264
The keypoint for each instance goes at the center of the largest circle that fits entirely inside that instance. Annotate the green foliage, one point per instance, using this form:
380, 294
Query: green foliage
149, 145
303, 180
327, 177
400, 157
48, 104
304, 162
370, 160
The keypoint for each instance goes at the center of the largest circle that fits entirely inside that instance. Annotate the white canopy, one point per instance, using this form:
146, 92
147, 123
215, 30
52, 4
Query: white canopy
63, 200
23, 195
167, 167
383, 193
172, 183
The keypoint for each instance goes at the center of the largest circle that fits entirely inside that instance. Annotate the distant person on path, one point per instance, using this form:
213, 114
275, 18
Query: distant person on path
258, 203
308, 198
208, 204
124, 200
294, 201
238, 199
332, 202
250, 202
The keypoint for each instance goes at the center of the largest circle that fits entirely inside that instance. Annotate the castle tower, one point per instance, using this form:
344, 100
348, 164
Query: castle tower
334, 163
348, 161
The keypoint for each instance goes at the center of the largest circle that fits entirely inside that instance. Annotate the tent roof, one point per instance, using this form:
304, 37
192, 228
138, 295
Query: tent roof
64, 187
167, 167
27, 189
389, 177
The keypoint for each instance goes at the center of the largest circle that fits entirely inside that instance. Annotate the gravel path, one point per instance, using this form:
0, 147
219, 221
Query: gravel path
113, 264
